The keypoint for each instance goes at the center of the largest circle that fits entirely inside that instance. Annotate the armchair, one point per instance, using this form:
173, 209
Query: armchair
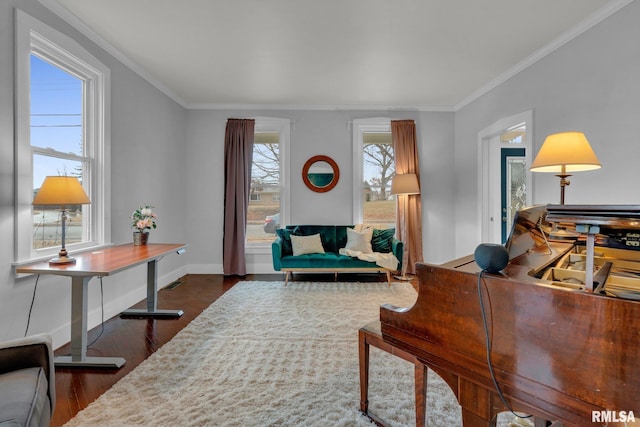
27, 382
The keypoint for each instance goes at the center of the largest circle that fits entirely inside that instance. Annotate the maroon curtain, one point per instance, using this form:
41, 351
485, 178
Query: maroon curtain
405, 149
238, 157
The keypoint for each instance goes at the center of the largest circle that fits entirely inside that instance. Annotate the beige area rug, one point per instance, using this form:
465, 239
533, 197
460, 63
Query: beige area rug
265, 354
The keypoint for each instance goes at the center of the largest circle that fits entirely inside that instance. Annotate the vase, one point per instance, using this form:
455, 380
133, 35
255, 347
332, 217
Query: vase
139, 238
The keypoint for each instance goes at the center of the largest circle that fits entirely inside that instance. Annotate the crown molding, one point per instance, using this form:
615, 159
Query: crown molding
597, 17
572, 33
311, 107
75, 22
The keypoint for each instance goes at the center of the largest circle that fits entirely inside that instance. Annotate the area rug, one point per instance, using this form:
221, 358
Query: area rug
266, 354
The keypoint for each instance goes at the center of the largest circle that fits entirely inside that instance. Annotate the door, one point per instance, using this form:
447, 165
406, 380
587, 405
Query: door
513, 187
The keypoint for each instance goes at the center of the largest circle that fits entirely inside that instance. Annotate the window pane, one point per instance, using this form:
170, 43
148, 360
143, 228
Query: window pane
379, 207
264, 201
56, 108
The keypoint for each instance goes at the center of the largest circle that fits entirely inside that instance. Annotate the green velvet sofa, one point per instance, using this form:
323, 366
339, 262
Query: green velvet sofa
333, 237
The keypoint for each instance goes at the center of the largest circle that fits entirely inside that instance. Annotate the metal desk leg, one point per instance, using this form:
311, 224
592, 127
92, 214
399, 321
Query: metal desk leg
79, 291
152, 297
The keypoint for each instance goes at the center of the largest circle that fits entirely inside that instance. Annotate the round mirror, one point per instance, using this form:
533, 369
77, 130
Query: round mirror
320, 174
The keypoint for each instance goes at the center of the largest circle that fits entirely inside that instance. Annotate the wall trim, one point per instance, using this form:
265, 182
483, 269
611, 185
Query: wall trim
572, 33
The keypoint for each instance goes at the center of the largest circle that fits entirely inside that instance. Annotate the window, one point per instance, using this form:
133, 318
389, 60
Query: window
267, 209
62, 109
57, 147
374, 168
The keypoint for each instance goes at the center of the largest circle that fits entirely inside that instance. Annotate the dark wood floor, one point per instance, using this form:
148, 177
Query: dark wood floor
135, 339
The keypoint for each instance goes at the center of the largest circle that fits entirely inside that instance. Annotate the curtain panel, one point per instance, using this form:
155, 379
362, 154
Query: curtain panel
409, 223
238, 158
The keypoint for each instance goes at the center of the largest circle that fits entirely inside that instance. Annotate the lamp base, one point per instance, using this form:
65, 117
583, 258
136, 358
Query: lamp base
62, 260
404, 278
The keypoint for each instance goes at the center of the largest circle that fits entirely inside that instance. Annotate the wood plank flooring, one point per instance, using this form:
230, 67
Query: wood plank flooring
135, 339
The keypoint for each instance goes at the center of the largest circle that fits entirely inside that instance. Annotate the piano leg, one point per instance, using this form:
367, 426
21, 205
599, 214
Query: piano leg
478, 405
421, 373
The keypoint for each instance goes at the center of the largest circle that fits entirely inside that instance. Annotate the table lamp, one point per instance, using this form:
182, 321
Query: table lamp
404, 185
565, 152
61, 191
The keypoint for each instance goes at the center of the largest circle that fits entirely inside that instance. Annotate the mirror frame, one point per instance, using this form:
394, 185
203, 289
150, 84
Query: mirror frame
307, 166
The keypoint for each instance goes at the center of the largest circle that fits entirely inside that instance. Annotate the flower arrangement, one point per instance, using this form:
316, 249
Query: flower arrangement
143, 219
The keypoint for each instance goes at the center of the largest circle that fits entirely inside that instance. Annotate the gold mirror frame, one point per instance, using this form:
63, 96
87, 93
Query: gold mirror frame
311, 185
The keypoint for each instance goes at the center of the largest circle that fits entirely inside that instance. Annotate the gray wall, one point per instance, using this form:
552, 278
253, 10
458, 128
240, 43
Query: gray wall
313, 132
148, 159
591, 84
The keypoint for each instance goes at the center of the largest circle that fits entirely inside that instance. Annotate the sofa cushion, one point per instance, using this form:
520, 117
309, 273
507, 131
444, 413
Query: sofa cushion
359, 241
285, 236
23, 397
345, 261
327, 234
381, 240
325, 260
306, 244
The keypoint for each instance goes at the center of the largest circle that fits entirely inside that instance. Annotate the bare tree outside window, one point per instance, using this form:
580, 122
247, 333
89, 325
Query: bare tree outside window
378, 168
263, 216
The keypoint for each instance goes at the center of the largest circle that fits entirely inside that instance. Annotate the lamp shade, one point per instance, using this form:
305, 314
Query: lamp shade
565, 152
60, 191
405, 184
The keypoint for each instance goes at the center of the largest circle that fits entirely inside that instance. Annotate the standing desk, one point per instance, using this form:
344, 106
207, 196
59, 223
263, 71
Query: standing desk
99, 263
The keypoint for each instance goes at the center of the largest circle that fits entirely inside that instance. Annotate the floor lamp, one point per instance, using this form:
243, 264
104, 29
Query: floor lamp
404, 185
61, 191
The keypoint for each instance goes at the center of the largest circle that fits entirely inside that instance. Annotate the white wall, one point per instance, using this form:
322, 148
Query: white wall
313, 132
148, 159
591, 84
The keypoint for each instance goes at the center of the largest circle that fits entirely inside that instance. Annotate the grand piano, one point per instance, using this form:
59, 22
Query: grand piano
561, 320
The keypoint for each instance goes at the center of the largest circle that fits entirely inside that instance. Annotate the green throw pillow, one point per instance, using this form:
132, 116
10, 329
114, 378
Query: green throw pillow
285, 235
381, 240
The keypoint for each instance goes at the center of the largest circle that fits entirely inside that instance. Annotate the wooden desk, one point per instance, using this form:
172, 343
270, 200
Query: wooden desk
104, 262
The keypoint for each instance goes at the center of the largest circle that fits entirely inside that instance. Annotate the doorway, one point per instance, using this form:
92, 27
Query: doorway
504, 181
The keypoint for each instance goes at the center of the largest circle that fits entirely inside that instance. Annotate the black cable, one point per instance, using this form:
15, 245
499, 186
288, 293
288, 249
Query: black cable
488, 345
33, 298
102, 307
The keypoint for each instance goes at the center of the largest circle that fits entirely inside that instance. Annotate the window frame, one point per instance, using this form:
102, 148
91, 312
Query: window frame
35, 37
283, 127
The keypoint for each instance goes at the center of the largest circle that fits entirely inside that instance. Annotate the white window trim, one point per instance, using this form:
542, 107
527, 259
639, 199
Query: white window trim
361, 126
33, 36
283, 126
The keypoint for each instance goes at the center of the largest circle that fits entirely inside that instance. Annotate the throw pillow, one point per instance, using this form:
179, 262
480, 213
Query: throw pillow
285, 236
359, 241
306, 244
382, 239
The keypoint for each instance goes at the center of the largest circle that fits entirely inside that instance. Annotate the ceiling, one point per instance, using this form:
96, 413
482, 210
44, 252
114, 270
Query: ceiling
422, 54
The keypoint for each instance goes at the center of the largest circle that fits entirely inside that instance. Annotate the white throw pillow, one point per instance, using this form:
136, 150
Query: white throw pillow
359, 241
306, 244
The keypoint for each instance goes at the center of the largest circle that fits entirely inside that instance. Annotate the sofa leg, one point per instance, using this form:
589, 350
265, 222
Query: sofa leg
286, 278
389, 278
335, 276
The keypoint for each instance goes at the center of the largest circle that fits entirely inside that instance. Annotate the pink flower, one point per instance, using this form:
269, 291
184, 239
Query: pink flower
143, 218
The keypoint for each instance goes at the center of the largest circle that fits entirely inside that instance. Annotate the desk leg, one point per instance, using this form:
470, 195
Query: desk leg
79, 291
152, 297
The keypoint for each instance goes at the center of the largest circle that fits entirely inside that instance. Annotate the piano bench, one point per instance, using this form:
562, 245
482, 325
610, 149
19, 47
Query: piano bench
371, 334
